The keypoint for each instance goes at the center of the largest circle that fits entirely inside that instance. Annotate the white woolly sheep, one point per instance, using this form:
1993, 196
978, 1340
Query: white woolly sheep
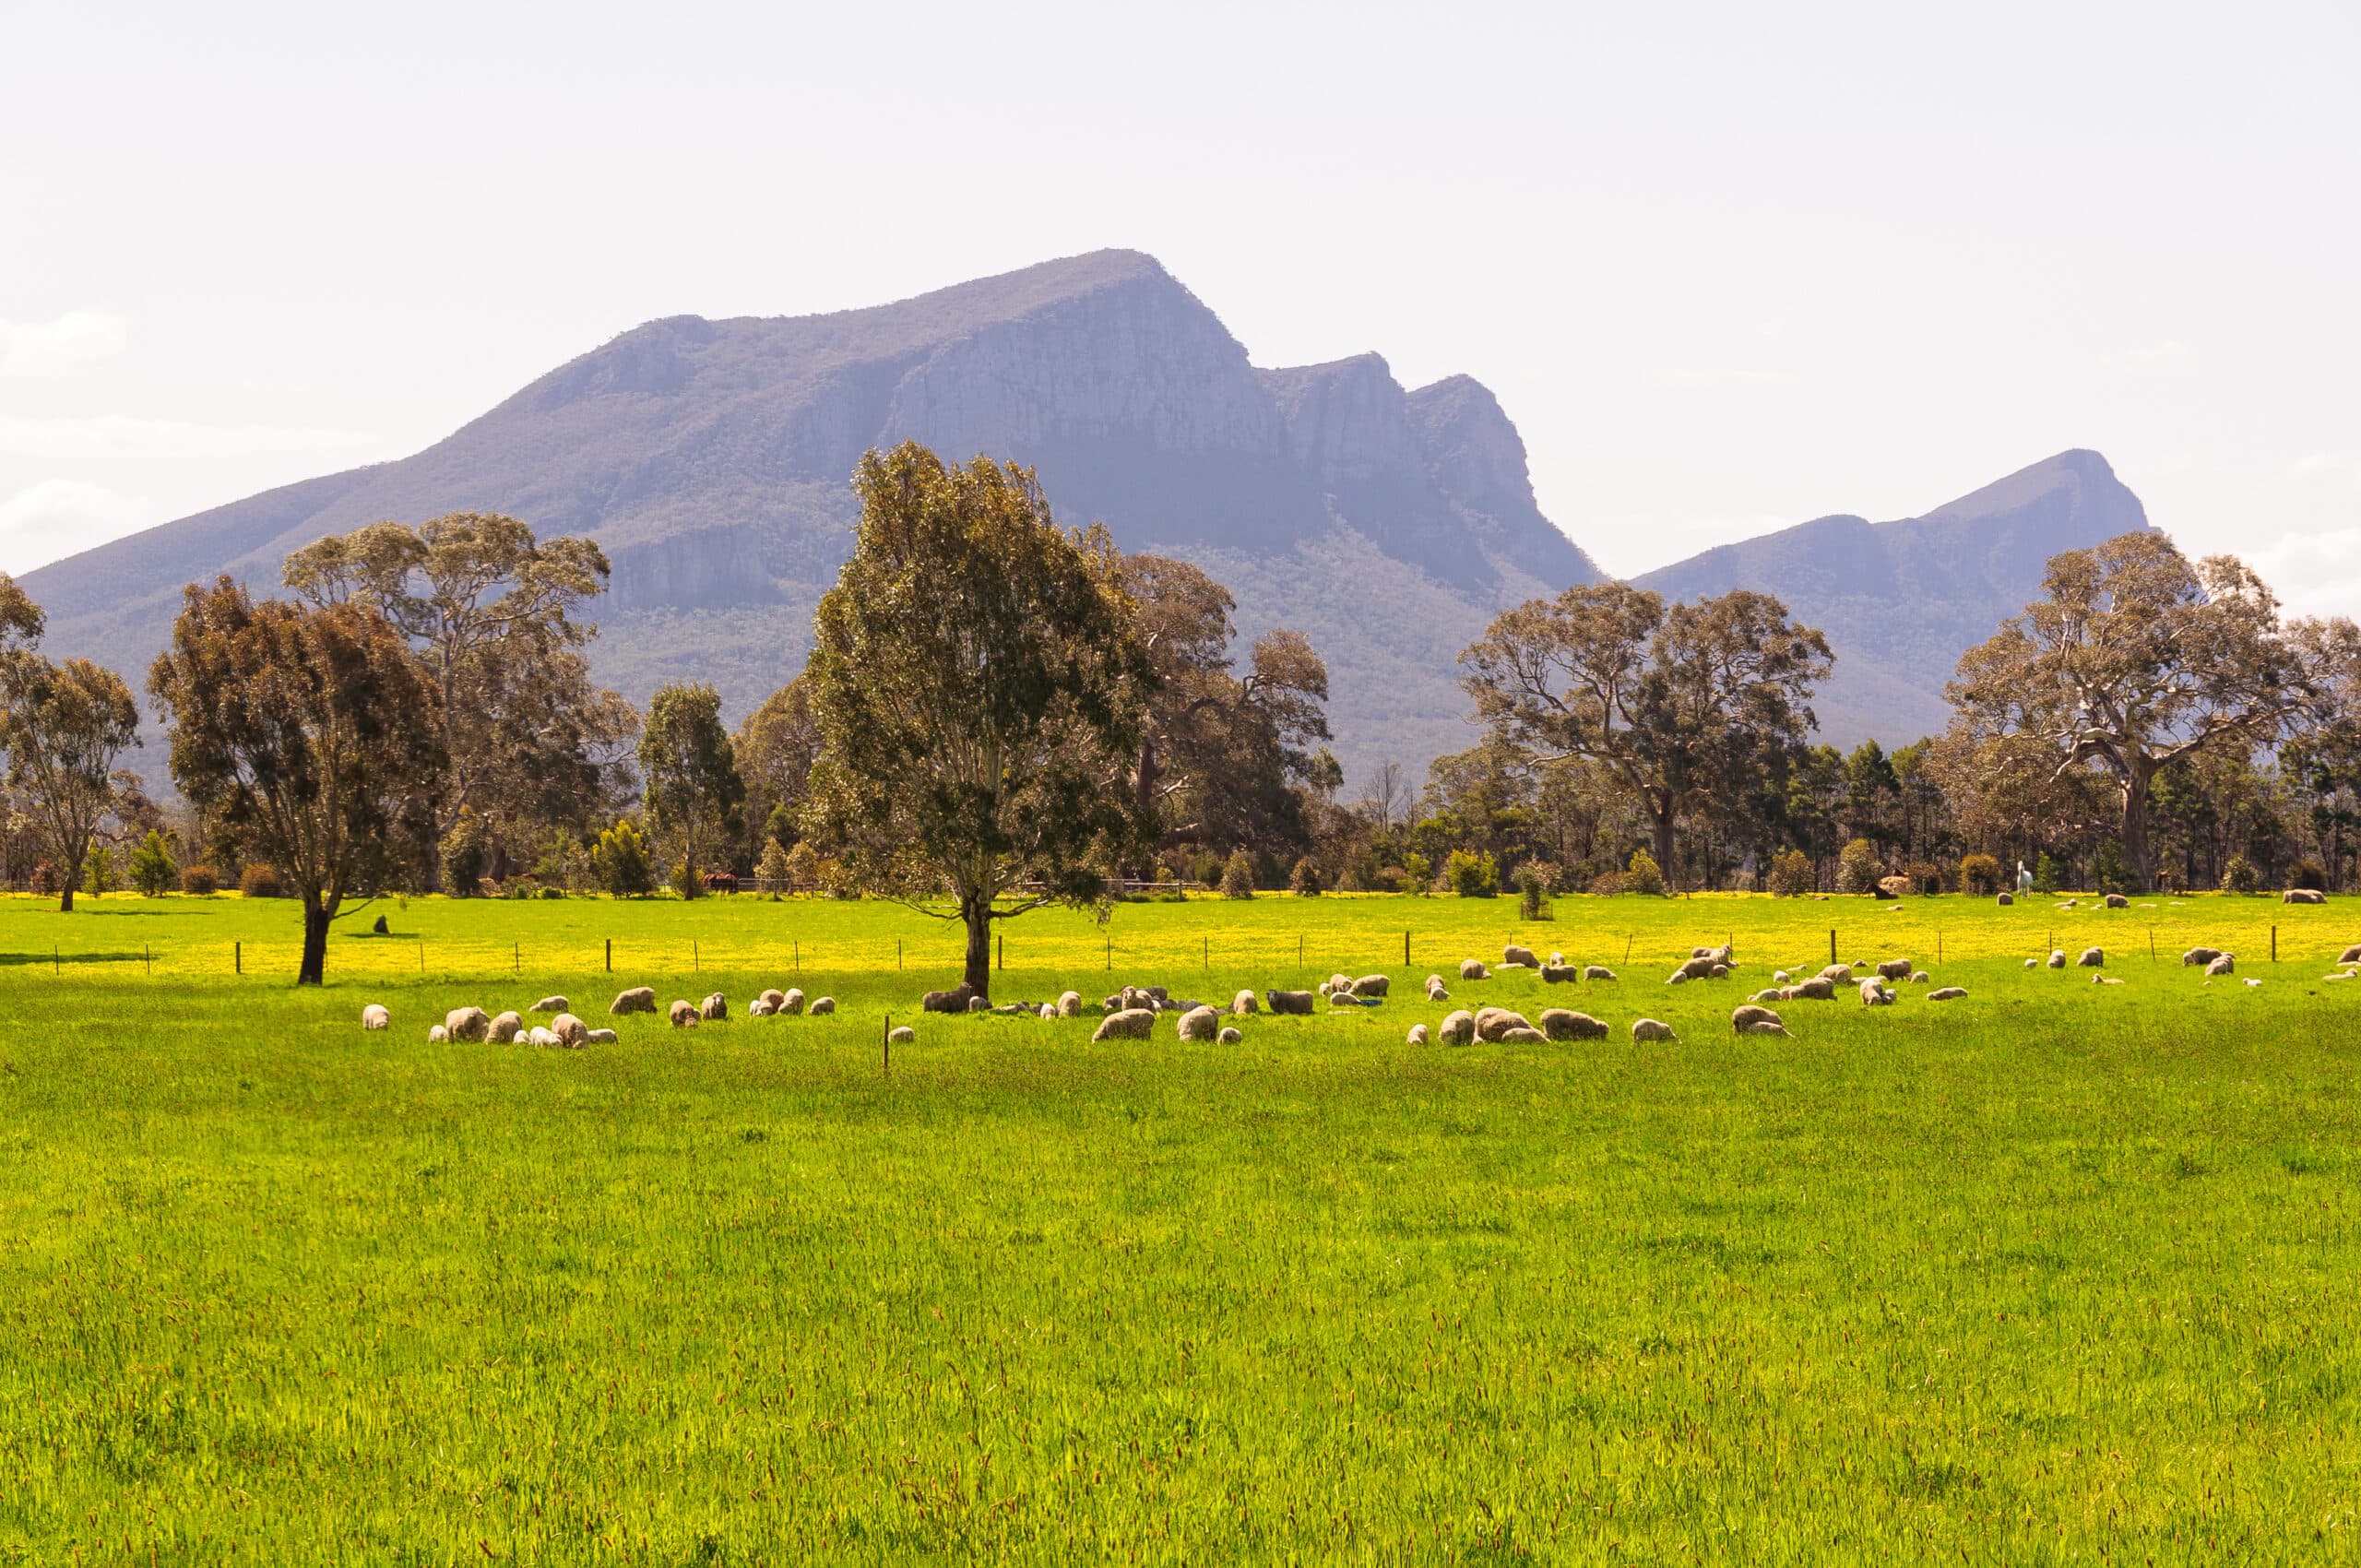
822, 1007
1230, 1037
1652, 1029
638, 999
684, 1013
1132, 1023
1458, 1028
375, 1016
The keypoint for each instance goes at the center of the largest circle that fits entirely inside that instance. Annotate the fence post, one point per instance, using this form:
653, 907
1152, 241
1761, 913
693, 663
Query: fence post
2274, 944
611, 955
1831, 945
886, 1045
238, 956
1406, 949
697, 963
1000, 951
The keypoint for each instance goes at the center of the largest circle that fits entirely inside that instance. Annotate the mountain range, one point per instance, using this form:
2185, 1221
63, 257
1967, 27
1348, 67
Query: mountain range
711, 460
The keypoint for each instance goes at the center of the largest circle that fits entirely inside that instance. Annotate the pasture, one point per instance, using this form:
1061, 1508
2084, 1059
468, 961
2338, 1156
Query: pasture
2056, 1272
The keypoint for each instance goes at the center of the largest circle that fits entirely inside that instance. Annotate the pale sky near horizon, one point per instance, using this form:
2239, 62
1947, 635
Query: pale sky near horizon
1728, 266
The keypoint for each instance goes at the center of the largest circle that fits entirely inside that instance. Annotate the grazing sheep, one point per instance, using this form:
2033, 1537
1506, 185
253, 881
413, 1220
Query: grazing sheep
1597, 973
375, 1016
1559, 1023
1768, 1026
1919, 976
638, 999
776, 997
1875, 994
540, 1037
1560, 974
1816, 989
1296, 1001
792, 1003
1473, 968
2350, 956
684, 1014
715, 1009
1838, 974
2005, 899
822, 1007
1418, 1035
758, 1008
1231, 1035
1781, 977
2118, 902
2056, 959
1515, 958
901, 1034
550, 1005
1371, 985
1070, 1004
1132, 1023
1894, 968
1947, 993
1677, 977
955, 1000
2303, 896
438, 1035
505, 1028
466, 1022
570, 1030
1459, 1029
1198, 1022
1340, 982
1521, 1037
1773, 993
1751, 1013
2031, 963
2221, 964
1437, 993
979, 1005
1719, 971
1649, 1029
1491, 1023
1701, 968
2092, 958
599, 1037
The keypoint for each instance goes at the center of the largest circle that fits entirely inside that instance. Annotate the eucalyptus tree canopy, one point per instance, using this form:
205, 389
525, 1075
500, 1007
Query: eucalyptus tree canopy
979, 677
63, 725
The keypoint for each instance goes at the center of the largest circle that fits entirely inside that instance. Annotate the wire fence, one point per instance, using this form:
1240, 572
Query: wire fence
1282, 943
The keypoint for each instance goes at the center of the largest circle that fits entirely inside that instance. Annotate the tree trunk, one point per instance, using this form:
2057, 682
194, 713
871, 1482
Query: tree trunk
977, 913
65, 898
1660, 829
2137, 853
316, 944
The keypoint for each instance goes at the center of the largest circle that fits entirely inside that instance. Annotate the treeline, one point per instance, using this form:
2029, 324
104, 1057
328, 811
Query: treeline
1000, 712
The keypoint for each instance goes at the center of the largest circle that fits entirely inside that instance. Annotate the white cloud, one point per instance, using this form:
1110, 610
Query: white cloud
58, 518
71, 341
2167, 360
1774, 330
118, 437
2326, 467
1725, 377
2315, 573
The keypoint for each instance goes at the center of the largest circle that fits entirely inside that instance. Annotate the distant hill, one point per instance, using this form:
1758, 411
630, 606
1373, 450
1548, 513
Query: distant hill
711, 459
1901, 601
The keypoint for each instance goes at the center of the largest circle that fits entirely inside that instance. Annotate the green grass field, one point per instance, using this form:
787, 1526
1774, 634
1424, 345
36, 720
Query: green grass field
2058, 1272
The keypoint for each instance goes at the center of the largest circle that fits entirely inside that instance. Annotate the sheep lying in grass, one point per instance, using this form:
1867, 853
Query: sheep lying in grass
1817, 989
1947, 993
538, 1035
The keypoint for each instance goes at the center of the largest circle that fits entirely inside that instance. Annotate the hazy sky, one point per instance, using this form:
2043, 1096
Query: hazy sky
1728, 267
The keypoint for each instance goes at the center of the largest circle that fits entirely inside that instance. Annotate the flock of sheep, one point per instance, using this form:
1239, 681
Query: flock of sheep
564, 1031
1131, 1012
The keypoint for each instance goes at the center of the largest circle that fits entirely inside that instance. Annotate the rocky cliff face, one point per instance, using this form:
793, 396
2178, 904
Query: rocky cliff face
711, 459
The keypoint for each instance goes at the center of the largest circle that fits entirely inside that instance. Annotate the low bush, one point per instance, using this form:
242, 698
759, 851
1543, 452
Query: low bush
44, 879
1644, 875
1925, 876
1979, 873
200, 880
1472, 875
1304, 881
1607, 884
2238, 874
1791, 874
1858, 868
259, 881
151, 866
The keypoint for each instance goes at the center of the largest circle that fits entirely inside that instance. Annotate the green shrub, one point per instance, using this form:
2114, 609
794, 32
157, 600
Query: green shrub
151, 866
1533, 880
805, 867
1979, 873
98, 870
2238, 874
1472, 875
1858, 868
1644, 875
1417, 874
200, 880
685, 880
774, 865
2048, 872
1304, 881
622, 862
2109, 871
259, 881
1791, 874
1925, 876
1238, 874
